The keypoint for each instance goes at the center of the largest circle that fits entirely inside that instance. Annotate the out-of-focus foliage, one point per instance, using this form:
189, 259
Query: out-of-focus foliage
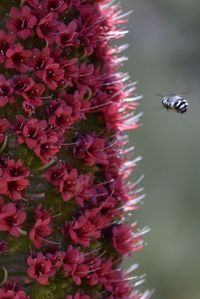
164, 56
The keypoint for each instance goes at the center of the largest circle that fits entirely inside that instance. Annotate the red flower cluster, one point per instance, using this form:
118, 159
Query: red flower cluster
64, 163
11, 218
13, 178
125, 240
12, 290
42, 227
69, 182
91, 149
38, 136
21, 22
40, 268
80, 266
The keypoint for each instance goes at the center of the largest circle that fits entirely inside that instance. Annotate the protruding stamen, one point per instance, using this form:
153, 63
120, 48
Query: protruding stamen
4, 144
5, 276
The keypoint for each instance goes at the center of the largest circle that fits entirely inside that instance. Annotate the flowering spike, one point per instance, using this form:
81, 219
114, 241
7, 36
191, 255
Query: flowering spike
64, 160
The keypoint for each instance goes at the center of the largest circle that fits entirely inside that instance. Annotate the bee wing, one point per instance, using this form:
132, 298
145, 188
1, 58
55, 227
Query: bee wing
186, 92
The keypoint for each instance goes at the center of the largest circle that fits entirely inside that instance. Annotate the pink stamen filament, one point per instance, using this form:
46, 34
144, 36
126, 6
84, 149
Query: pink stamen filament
96, 107
49, 241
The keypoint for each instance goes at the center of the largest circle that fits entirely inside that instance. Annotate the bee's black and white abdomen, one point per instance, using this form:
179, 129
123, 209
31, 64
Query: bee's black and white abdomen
175, 102
181, 106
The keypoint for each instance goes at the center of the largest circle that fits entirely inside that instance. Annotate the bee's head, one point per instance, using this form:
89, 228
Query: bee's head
166, 100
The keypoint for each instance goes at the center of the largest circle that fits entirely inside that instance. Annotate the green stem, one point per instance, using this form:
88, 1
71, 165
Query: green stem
43, 167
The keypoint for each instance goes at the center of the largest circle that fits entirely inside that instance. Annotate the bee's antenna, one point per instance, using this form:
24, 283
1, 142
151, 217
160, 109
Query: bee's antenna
160, 95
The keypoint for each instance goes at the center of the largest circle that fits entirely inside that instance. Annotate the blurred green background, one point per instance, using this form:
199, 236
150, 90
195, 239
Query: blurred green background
164, 57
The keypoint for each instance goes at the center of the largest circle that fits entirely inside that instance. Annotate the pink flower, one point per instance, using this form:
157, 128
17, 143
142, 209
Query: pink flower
70, 67
73, 184
17, 58
56, 54
6, 91
95, 263
90, 149
55, 174
60, 115
70, 185
18, 124
21, 22
82, 80
46, 27
72, 104
114, 163
11, 218
90, 27
120, 289
40, 268
12, 290
81, 231
125, 240
35, 6
100, 217
13, 179
15, 170
67, 35
33, 132
47, 148
15, 188
42, 227
22, 83
56, 258
6, 42
55, 5
73, 264
53, 75
71, 258
33, 97
40, 60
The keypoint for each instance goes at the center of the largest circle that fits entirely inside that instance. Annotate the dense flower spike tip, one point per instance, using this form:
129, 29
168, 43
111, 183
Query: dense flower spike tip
64, 160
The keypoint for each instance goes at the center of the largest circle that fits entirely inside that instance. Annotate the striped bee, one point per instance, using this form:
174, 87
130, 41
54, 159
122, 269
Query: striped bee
174, 102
